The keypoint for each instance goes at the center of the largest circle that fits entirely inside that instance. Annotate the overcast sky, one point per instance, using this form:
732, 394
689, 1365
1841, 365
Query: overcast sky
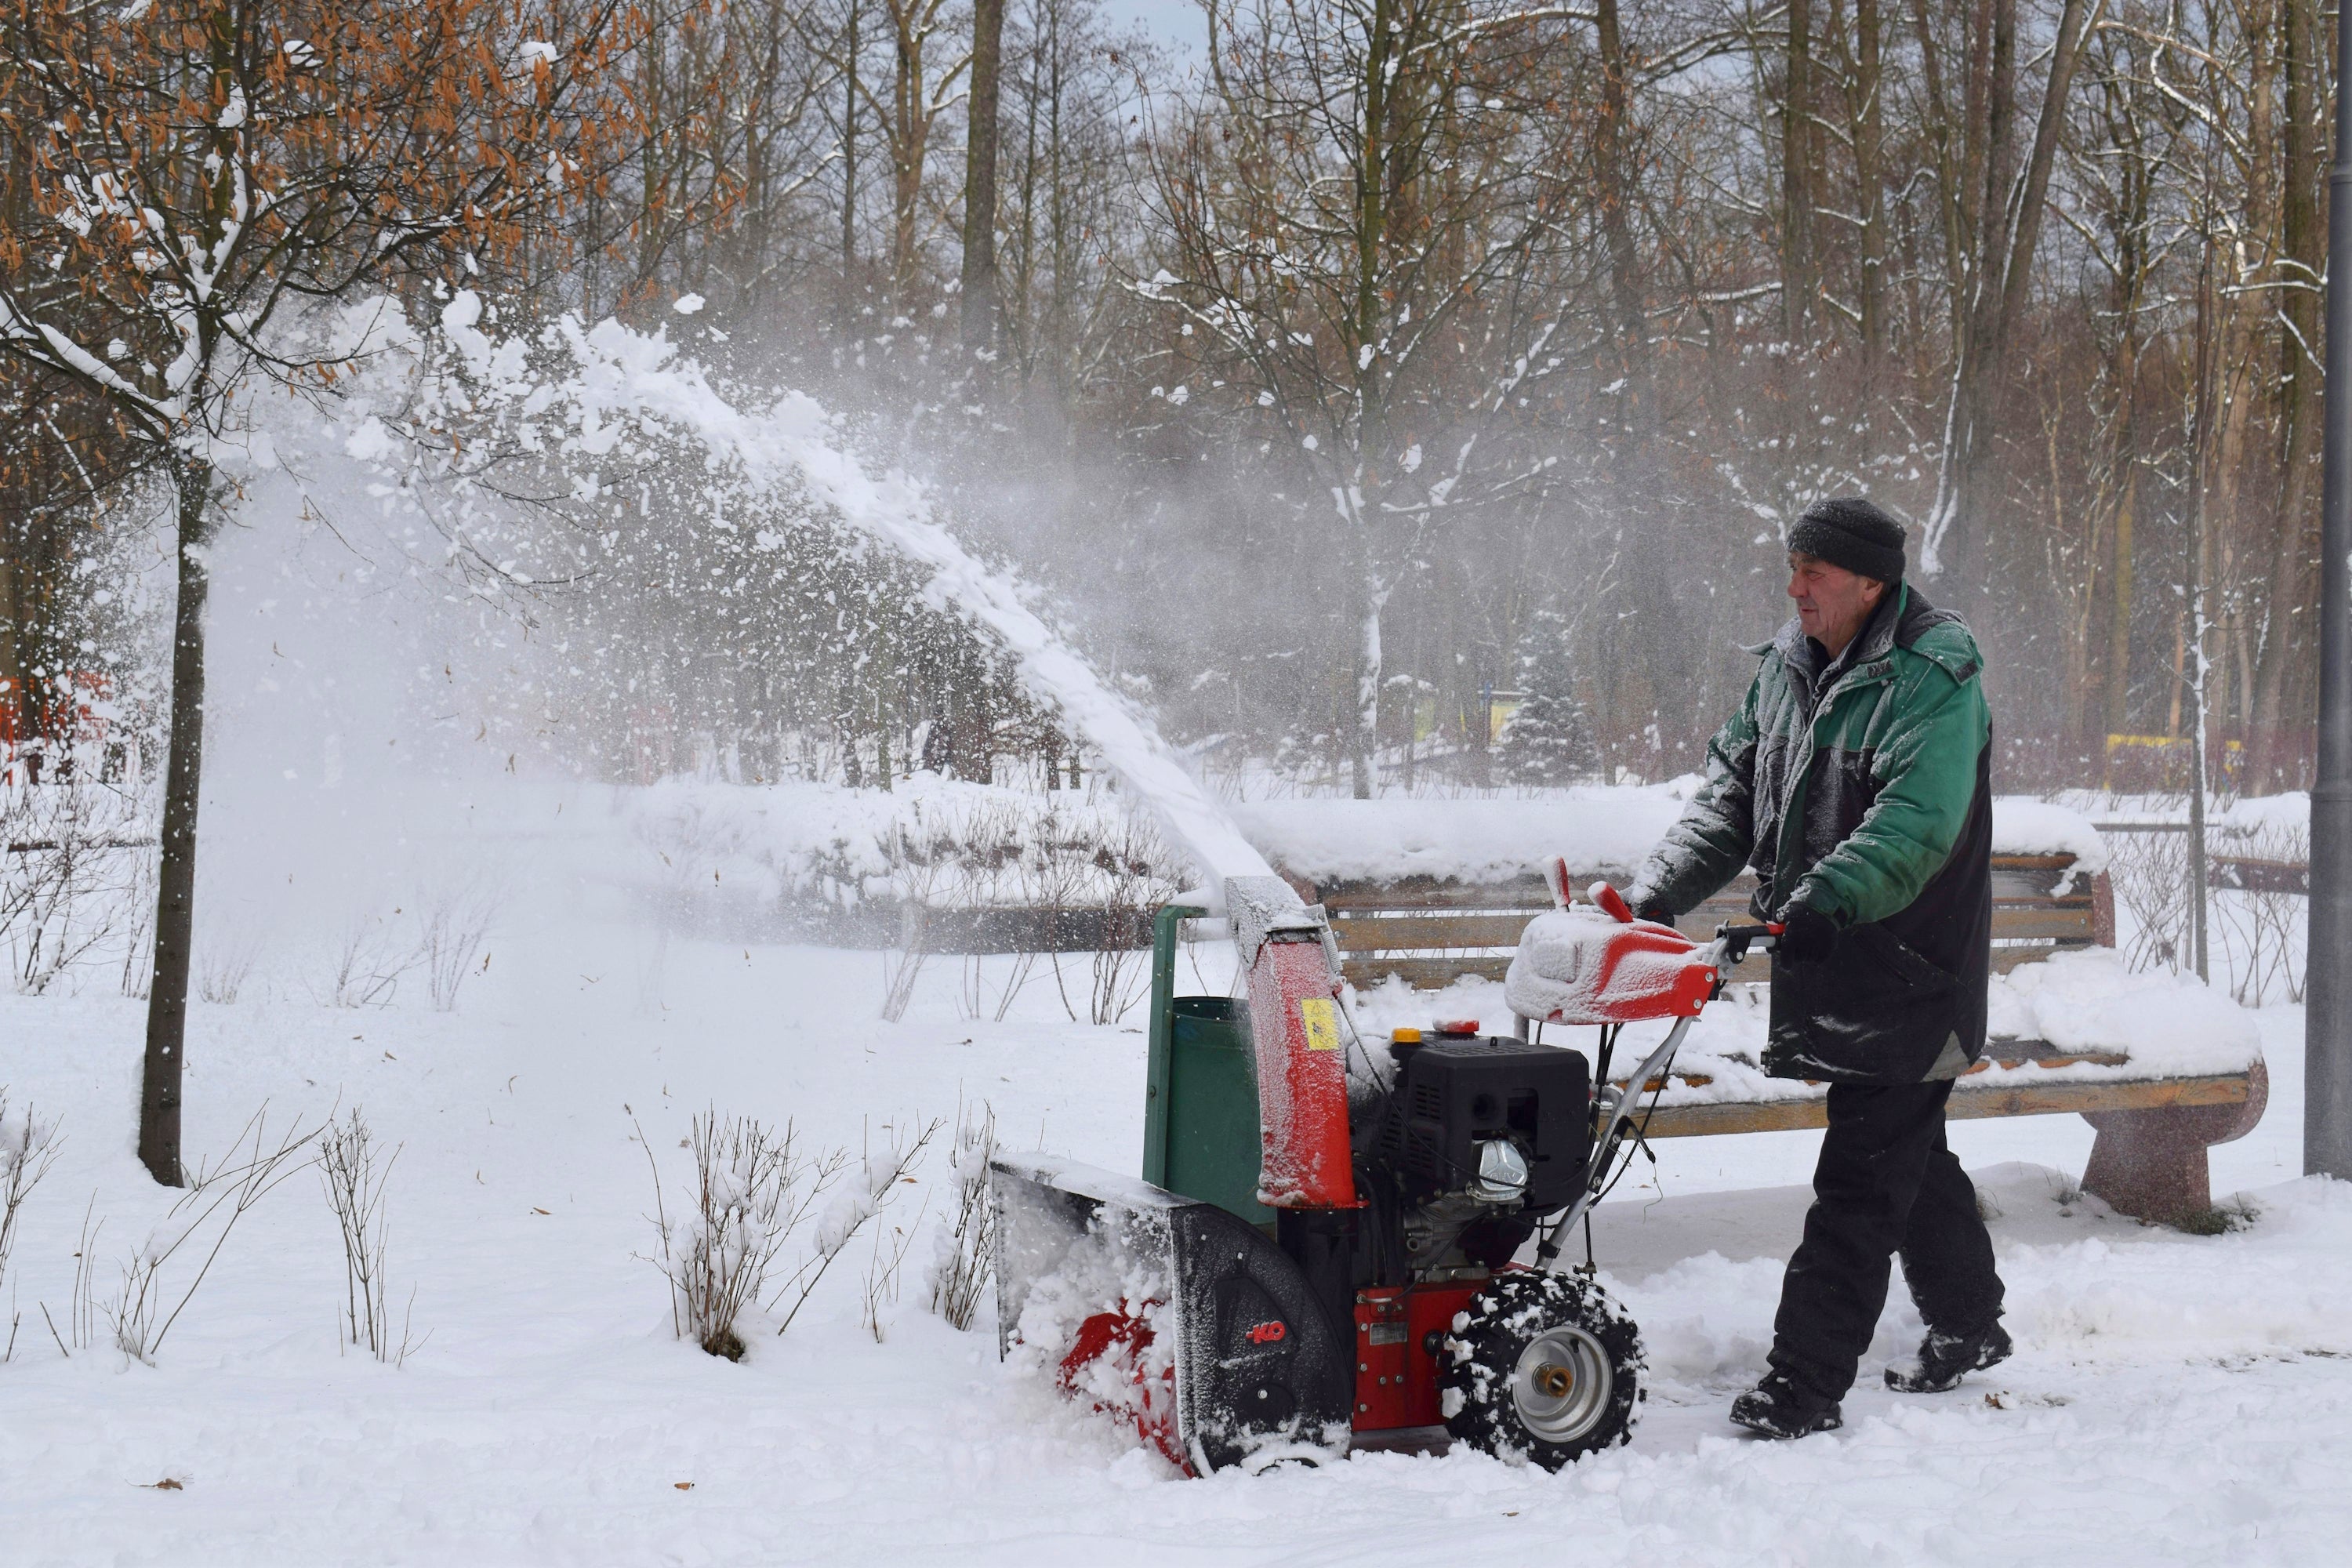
1175, 22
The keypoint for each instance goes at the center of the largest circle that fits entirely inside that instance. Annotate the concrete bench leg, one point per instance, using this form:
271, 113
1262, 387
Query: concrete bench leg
2151, 1165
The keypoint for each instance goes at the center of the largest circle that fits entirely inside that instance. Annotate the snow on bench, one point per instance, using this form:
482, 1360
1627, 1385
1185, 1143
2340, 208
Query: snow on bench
1429, 893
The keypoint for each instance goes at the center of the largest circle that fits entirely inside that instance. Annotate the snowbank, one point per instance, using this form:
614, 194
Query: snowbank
1601, 831
2288, 812
2088, 1000
2024, 825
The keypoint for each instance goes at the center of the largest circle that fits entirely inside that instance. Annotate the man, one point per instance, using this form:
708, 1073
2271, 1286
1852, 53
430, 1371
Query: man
1854, 781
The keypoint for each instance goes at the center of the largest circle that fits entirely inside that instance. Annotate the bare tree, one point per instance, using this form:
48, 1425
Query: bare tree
1995, 191
192, 175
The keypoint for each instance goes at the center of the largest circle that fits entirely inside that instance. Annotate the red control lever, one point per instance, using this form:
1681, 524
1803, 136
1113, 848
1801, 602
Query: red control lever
1612, 902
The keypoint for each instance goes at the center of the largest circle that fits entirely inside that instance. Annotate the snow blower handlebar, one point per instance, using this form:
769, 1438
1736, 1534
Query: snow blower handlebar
1719, 958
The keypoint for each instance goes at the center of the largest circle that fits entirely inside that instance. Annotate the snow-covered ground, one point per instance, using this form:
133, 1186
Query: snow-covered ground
2174, 1398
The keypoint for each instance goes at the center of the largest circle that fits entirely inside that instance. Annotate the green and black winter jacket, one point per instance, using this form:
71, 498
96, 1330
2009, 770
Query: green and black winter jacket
1863, 791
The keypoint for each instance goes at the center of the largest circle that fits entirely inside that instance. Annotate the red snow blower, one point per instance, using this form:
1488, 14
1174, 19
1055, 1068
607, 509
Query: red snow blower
1324, 1246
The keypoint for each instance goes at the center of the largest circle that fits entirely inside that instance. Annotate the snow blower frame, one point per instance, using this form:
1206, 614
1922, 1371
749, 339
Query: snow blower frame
1322, 1250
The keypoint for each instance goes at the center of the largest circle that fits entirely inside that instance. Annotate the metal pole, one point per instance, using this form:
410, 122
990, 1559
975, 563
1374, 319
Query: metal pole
2199, 866
2328, 1039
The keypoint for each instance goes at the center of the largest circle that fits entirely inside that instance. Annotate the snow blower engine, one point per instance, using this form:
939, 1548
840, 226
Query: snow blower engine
1333, 1240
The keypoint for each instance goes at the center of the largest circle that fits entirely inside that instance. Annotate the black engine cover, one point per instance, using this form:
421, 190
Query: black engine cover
1456, 1092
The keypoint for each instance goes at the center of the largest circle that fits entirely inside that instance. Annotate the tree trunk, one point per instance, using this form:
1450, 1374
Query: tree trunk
980, 178
2119, 606
1380, 69
849, 179
2009, 230
2302, 262
1796, 176
1616, 197
1064, 243
1364, 735
909, 130
1869, 163
175, 882
15, 709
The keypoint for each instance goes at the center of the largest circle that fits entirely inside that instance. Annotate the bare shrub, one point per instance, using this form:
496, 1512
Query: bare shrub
965, 1263
370, 955
903, 964
63, 864
883, 1270
81, 1308
137, 925
225, 961
2149, 872
28, 1148
1134, 882
457, 920
355, 1183
922, 854
874, 1192
153, 1294
991, 853
2263, 920
752, 1188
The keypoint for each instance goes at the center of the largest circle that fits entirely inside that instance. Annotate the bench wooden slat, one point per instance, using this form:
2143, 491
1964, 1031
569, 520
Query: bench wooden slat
1437, 974
1999, 1053
1423, 973
2005, 959
2016, 879
1422, 893
1392, 933
1969, 1101
2046, 921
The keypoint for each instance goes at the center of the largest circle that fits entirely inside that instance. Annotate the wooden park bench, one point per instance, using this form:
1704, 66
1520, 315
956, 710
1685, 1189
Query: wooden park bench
2148, 1159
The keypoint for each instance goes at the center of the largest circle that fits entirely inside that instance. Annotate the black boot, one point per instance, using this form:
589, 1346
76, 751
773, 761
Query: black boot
1782, 1407
1945, 1359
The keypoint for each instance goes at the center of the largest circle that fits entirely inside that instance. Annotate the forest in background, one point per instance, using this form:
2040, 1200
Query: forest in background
1381, 358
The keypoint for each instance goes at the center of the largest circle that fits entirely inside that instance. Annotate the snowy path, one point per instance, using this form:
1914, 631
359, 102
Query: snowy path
2175, 1399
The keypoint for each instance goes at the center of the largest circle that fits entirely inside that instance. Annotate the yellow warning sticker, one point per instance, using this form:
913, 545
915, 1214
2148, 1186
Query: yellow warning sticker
1322, 1021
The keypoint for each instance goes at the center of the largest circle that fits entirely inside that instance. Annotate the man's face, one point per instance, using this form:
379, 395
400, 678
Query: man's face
1831, 602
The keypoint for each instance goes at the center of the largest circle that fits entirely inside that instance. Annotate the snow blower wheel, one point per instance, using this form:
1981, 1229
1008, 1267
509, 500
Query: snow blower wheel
1542, 1366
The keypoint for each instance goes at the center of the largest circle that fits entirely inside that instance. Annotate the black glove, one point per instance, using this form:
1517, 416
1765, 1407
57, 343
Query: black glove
1807, 935
1651, 910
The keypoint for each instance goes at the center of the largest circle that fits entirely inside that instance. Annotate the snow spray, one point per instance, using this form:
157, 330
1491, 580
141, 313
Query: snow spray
1286, 948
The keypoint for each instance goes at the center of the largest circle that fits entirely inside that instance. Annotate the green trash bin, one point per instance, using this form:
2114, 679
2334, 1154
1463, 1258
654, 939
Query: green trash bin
1200, 1132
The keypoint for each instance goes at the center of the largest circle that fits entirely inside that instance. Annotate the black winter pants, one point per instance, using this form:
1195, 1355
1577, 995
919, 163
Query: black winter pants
1886, 1183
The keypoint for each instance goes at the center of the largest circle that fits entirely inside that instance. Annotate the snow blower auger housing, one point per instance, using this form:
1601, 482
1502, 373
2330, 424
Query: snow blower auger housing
1325, 1247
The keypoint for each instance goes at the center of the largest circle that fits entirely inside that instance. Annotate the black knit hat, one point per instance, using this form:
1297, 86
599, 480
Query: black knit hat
1848, 531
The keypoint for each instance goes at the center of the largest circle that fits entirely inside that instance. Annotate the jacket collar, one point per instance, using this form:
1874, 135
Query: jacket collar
1899, 619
